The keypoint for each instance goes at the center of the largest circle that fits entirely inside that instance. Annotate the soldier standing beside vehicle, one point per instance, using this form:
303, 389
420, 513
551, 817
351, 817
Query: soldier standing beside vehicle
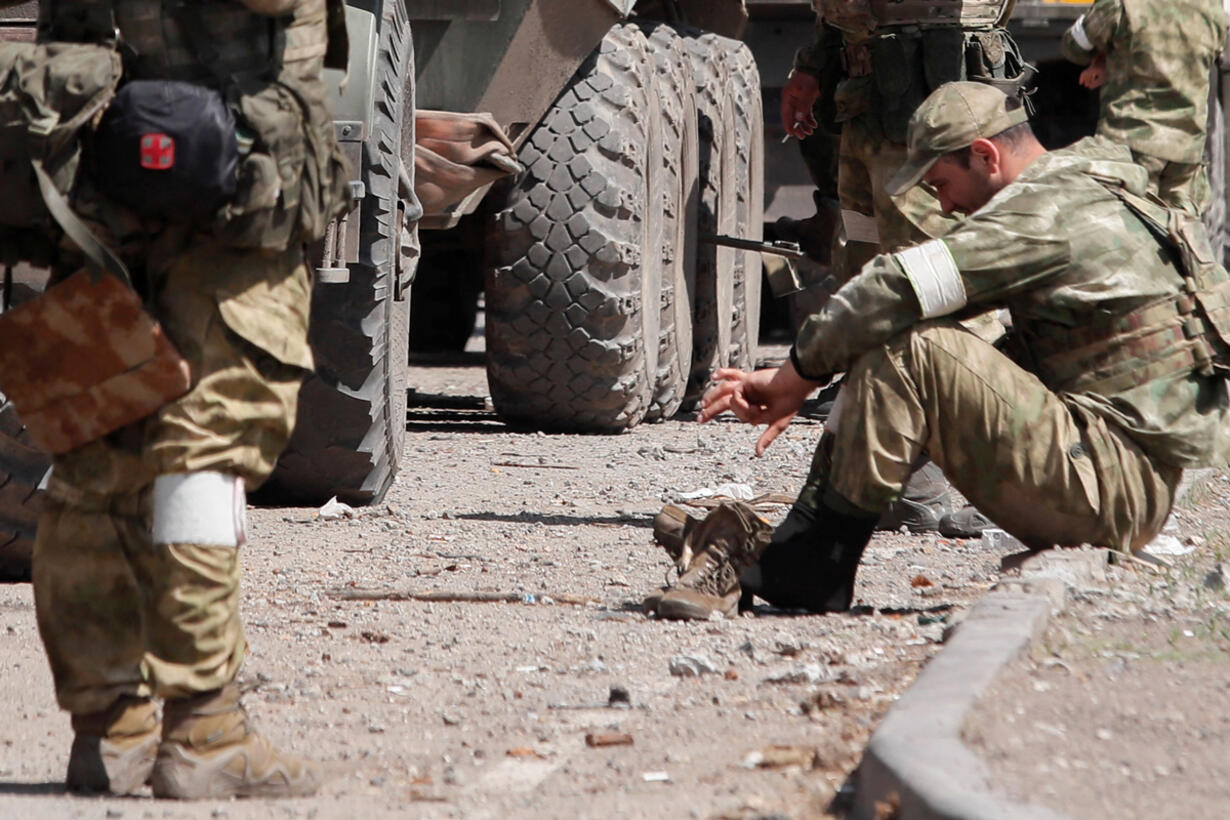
1152, 60
136, 565
1122, 312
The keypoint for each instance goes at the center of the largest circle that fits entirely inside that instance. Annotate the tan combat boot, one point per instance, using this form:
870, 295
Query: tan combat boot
209, 751
728, 541
113, 750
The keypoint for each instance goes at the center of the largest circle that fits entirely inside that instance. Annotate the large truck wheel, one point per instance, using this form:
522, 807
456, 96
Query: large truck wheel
22, 469
747, 179
573, 296
680, 200
352, 411
714, 294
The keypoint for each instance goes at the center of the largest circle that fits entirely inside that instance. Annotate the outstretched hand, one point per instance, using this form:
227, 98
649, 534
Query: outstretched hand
771, 397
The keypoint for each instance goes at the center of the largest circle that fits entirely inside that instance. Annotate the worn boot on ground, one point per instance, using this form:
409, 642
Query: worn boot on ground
209, 751
967, 522
113, 749
670, 529
726, 543
924, 501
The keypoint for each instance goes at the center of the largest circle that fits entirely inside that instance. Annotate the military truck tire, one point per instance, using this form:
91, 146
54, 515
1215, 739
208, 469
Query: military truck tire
680, 193
713, 298
352, 411
22, 469
747, 180
573, 294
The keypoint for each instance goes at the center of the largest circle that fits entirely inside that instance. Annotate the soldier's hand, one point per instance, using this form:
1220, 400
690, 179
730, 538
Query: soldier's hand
1095, 74
772, 396
798, 98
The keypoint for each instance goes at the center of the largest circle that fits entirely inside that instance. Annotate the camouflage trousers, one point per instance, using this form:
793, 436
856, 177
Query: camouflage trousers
874, 221
1182, 185
118, 614
1045, 471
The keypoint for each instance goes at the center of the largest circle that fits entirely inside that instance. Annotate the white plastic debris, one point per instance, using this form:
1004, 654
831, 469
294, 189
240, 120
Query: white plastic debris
739, 492
1167, 545
656, 777
334, 509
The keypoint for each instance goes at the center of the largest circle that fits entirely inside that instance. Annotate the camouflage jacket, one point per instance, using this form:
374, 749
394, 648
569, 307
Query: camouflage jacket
1061, 252
1158, 57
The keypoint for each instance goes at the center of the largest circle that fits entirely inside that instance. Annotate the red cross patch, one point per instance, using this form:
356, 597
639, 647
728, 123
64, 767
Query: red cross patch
157, 152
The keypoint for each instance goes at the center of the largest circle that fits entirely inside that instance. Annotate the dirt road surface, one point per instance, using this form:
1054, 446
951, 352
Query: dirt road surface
471, 708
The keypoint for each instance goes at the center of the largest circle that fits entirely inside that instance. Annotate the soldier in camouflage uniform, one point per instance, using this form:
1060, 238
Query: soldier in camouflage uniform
136, 565
869, 67
1123, 317
1152, 60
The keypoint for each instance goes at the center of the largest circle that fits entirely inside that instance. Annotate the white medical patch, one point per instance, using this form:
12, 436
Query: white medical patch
206, 508
934, 276
1080, 35
859, 227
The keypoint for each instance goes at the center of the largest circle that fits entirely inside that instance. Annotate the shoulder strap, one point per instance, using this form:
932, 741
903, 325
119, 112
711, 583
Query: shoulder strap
78, 231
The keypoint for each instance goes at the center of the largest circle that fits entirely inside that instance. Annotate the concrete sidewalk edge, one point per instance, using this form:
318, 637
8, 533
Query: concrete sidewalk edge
915, 764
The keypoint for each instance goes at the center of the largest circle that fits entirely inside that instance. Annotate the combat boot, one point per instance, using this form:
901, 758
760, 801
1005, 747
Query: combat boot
670, 530
210, 751
727, 542
814, 235
114, 749
967, 522
812, 560
924, 501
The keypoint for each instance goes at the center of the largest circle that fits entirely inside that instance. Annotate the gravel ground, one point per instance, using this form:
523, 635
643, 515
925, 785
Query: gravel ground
463, 708
1124, 711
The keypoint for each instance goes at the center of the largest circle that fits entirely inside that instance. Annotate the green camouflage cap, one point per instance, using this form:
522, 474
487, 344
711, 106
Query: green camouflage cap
951, 118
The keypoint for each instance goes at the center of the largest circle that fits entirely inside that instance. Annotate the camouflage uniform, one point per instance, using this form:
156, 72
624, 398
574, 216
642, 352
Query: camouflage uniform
1088, 443
873, 74
1159, 54
136, 564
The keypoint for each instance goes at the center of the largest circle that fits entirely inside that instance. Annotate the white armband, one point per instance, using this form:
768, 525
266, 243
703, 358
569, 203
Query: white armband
1080, 36
934, 276
205, 508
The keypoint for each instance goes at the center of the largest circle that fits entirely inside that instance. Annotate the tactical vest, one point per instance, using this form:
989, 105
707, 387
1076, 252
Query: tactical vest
1173, 336
861, 17
293, 181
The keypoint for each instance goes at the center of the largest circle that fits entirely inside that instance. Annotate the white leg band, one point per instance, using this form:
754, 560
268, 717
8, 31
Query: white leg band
859, 227
934, 276
204, 508
1079, 35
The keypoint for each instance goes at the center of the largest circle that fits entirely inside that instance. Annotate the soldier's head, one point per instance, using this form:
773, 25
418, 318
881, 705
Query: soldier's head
966, 142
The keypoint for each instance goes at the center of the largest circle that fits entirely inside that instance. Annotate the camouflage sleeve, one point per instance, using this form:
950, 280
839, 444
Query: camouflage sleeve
981, 263
1094, 32
810, 58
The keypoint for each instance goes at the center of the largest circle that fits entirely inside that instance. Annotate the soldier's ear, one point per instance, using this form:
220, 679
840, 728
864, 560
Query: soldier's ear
986, 154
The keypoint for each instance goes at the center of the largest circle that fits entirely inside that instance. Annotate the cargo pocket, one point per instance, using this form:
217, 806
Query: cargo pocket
273, 315
852, 97
894, 61
944, 54
265, 212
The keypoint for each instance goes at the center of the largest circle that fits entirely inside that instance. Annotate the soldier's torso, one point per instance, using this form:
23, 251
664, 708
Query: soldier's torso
238, 42
863, 17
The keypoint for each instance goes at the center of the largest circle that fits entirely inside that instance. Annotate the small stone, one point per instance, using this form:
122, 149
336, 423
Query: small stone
691, 666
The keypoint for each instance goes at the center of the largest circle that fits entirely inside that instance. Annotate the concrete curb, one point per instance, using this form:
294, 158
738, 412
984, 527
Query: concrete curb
915, 761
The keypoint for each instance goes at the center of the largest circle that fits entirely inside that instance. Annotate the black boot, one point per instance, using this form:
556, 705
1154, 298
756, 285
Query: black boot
811, 561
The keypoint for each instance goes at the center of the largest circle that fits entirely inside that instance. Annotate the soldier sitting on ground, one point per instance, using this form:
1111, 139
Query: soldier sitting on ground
1152, 59
1121, 311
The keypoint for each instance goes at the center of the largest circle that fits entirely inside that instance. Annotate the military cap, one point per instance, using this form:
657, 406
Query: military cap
951, 118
